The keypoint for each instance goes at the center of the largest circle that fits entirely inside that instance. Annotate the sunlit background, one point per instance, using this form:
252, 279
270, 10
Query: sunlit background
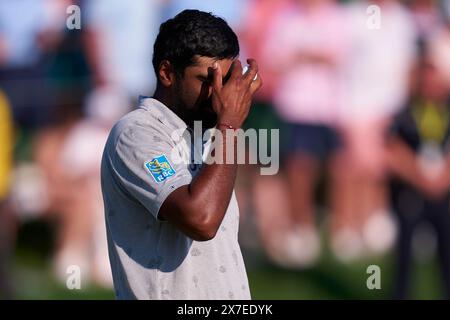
359, 91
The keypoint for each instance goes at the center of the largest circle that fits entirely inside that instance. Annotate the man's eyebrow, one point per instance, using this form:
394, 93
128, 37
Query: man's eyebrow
204, 77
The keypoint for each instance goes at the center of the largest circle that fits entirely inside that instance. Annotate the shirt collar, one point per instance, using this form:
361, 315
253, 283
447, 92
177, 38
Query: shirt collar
162, 113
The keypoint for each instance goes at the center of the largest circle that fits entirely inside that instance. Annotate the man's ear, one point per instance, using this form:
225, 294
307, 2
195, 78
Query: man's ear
166, 73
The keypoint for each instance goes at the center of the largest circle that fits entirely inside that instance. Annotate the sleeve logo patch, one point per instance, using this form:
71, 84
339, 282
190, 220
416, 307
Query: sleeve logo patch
160, 168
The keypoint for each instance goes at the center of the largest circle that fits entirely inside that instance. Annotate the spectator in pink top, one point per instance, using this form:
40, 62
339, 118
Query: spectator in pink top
305, 48
255, 33
377, 73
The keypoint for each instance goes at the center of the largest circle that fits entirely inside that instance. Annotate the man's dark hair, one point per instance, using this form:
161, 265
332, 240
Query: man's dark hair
190, 33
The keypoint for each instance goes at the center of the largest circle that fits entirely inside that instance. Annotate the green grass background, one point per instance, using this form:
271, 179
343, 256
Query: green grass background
32, 277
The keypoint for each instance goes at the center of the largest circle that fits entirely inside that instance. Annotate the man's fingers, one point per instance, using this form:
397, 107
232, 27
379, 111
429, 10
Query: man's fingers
236, 72
256, 84
252, 71
237, 76
217, 77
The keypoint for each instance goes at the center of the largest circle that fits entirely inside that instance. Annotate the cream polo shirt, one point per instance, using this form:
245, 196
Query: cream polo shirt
150, 258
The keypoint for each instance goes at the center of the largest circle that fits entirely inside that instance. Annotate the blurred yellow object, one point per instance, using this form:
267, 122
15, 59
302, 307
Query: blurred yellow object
432, 121
6, 147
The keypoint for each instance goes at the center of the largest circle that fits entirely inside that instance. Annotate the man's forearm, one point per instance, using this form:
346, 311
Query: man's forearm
197, 209
213, 186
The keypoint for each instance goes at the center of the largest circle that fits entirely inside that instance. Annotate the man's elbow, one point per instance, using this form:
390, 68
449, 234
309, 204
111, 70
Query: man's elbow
205, 227
204, 235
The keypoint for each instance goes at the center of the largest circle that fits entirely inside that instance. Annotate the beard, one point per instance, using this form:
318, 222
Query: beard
199, 112
206, 115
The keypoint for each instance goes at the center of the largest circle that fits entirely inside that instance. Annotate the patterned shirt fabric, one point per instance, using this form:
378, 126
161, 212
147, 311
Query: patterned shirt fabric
150, 258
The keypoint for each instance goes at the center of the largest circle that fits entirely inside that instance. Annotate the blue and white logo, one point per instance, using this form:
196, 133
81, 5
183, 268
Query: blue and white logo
160, 168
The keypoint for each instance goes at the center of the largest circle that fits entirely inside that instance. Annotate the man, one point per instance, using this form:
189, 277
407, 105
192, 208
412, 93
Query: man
172, 227
418, 157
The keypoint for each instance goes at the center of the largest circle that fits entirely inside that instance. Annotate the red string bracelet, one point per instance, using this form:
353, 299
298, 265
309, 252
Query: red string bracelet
227, 126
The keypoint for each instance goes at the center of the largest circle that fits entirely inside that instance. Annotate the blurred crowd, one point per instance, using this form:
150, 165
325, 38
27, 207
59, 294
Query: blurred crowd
359, 90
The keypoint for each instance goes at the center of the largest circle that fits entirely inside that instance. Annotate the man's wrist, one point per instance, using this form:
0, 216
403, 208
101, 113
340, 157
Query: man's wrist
226, 125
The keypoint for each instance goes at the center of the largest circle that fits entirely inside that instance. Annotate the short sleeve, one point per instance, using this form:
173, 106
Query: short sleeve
142, 163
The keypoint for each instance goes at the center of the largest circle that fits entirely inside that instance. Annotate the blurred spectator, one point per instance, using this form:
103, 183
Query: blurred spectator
376, 80
261, 14
68, 149
19, 38
47, 149
439, 46
426, 16
66, 152
306, 46
119, 41
118, 38
6, 143
265, 196
83, 239
23, 41
419, 159
7, 223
